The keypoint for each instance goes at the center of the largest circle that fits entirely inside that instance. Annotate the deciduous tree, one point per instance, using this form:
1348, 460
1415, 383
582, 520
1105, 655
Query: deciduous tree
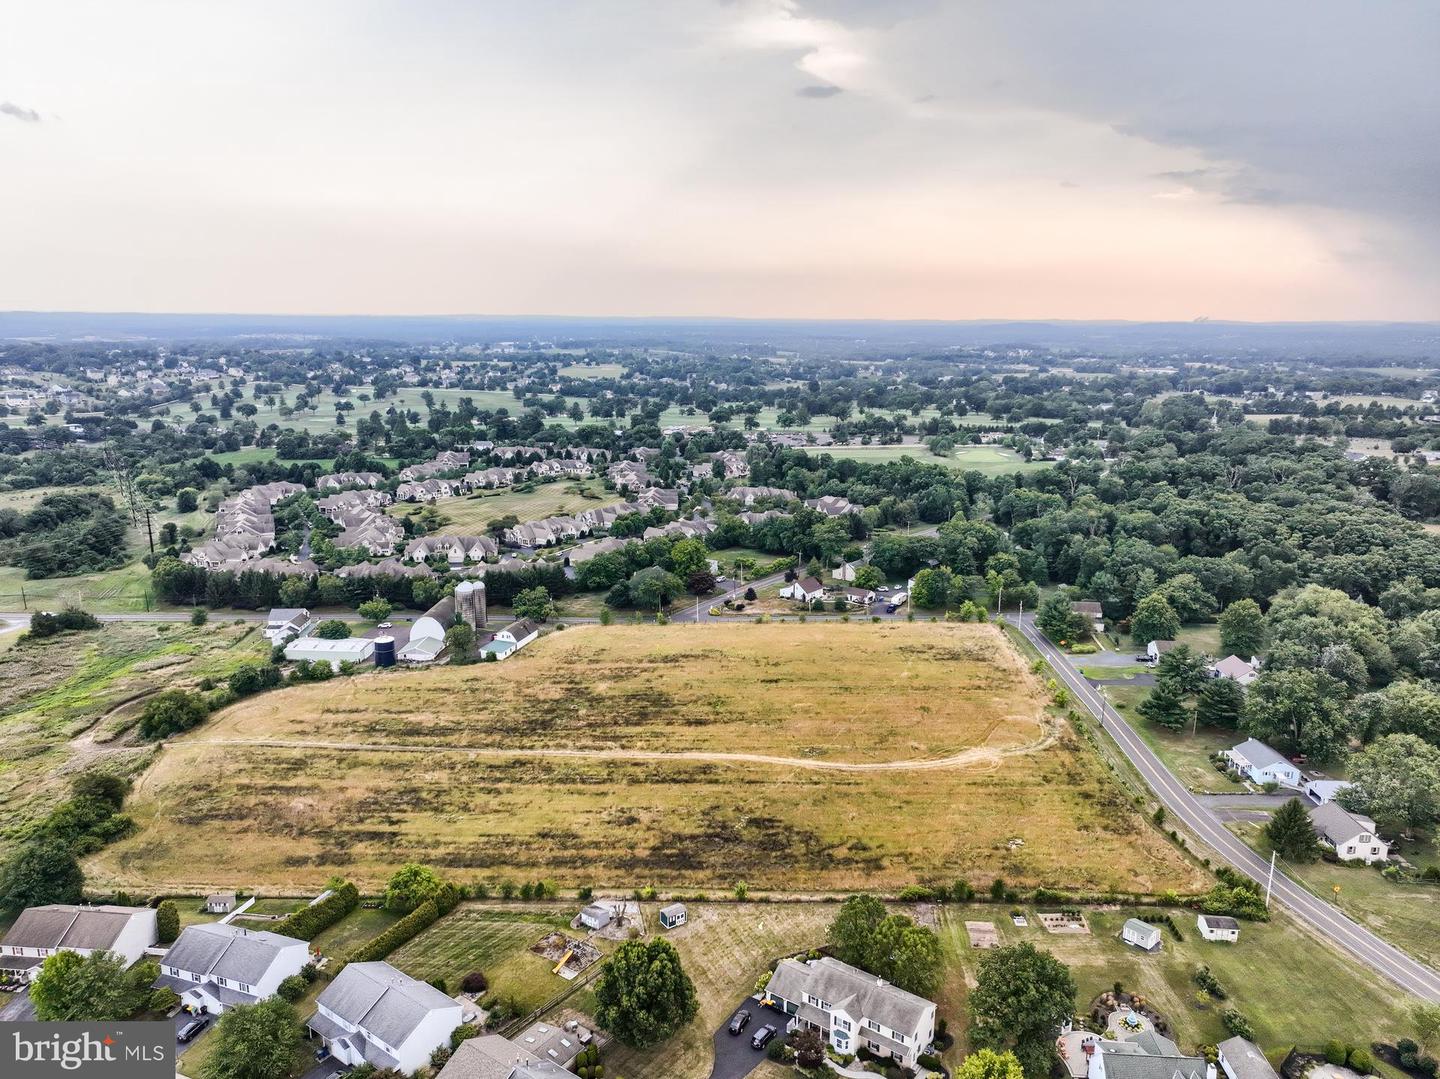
644, 995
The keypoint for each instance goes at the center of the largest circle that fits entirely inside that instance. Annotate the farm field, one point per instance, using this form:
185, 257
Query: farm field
1404, 914
496, 942
63, 699
471, 513
823, 757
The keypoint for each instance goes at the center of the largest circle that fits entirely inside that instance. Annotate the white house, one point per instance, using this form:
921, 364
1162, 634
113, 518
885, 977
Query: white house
846, 571
214, 966
317, 649
40, 932
1218, 927
832, 505
1261, 764
285, 622
1243, 671
1350, 835
512, 638
1155, 649
1321, 791
373, 1013
1142, 935
852, 1008
492, 1057
673, 916
805, 589
1146, 1056
857, 597
1242, 1059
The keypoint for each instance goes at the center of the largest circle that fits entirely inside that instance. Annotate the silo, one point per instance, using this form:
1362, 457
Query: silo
384, 651
470, 603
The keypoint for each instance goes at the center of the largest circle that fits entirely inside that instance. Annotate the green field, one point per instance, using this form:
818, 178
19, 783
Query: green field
496, 942
471, 513
989, 460
591, 370
357, 927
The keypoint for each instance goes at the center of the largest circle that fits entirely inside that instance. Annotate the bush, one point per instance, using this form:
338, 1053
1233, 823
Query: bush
474, 982
464, 1032
1208, 982
167, 922
306, 924
422, 917
171, 712
46, 624
292, 988
1237, 1024
332, 629
915, 893
199, 616
1335, 1053
1361, 1061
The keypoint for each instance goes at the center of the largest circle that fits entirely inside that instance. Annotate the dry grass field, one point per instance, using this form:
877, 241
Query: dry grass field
797, 757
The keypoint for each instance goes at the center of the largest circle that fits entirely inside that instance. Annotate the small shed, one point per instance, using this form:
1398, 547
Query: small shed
596, 917
1142, 935
1217, 927
220, 903
672, 916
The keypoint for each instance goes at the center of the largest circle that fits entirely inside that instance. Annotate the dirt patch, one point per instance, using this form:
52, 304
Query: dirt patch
1070, 923
575, 954
982, 934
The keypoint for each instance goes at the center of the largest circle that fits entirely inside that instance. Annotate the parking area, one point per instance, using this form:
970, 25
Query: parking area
734, 1056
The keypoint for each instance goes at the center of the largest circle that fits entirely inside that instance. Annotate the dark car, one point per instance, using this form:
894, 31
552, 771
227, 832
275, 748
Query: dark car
322, 1053
890, 608
740, 1021
192, 1028
762, 1037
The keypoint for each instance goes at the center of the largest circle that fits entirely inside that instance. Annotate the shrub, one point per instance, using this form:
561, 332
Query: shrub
474, 982
422, 917
464, 1032
306, 924
1208, 982
46, 624
1361, 1061
1335, 1053
1237, 1024
915, 893
167, 922
292, 988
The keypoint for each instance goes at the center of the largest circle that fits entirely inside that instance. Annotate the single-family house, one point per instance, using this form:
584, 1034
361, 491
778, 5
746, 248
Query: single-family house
492, 1057
673, 916
852, 1009
857, 597
846, 571
596, 916
804, 589
284, 622
1142, 935
748, 496
1146, 1056
665, 498
555, 1044
1243, 671
1240, 1058
511, 638
1218, 927
214, 966
40, 932
1320, 791
1350, 835
832, 505
1155, 649
1091, 611
220, 903
1261, 764
374, 1014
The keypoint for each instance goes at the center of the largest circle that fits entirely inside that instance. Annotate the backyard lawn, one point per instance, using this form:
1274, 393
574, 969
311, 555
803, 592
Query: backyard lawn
357, 927
469, 514
496, 942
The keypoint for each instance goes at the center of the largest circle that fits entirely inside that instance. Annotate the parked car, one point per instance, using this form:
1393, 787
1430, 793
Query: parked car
762, 1037
384, 625
192, 1028
323, 1053
740, 1022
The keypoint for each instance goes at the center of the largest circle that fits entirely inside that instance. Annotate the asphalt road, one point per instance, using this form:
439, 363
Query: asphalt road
1321, 916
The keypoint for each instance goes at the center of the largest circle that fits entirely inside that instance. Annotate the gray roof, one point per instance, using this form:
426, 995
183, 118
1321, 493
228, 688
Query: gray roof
1149, 1056
1135, 925
382, 1001
1245, 1059
227, 951
1339, 825
493, 1057
1259, 754
1086, 606
810, 584
521, 628
287, 614
1219, 921
673, 909
65, 925
859, 994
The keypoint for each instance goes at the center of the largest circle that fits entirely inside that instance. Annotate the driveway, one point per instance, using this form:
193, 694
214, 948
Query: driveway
734, 1059
17, 1008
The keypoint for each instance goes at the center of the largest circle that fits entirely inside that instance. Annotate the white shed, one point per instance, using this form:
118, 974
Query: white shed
1217, 927
595, 916
1142, 935
673, 916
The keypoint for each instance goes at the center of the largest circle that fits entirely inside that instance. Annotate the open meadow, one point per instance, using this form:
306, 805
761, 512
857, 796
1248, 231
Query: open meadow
988, 460
471, 513
791, 756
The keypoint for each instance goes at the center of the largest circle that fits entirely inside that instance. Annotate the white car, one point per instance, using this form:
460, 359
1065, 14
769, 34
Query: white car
383, 625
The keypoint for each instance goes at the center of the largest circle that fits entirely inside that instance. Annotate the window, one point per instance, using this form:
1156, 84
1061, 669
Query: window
1364, 839
898, 1037
870, 1024
194, 977
842, 1024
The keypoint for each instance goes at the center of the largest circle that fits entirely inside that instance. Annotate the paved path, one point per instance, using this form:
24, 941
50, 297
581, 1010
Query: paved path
1375, 953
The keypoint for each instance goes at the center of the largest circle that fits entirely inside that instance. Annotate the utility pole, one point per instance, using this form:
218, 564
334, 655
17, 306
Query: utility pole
149, 531
1270, 881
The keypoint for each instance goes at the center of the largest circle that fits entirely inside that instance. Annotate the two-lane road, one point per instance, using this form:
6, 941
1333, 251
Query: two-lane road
1321, 916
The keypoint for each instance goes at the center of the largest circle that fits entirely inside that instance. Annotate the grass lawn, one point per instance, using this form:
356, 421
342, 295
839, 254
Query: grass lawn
707, 747
1129, 671
496, 942
724, 948
989, 460
1407, 915
357, 927
469, 514
1273, 976
1187, 755
591, 370
1202, 637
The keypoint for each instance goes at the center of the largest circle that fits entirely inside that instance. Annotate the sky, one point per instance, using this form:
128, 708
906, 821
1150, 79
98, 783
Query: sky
761, 158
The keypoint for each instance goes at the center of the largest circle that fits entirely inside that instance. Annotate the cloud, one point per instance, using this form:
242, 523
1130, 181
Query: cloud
24, 115
819, 91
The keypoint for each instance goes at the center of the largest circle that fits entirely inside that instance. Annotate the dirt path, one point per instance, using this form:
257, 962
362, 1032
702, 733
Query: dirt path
979, 755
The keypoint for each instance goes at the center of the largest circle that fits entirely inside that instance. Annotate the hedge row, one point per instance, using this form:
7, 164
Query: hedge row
422, 917
306, 924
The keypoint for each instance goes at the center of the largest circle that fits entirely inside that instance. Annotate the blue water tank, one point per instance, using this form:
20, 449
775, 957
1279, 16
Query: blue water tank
384, 651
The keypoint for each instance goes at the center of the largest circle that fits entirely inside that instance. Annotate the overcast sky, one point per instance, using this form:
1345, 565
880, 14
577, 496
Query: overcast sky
809, 158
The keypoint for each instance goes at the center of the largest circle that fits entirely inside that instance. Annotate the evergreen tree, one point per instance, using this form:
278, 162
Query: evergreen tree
1166, 706
1057, 621
1220, 704
1291, 833
1185, 667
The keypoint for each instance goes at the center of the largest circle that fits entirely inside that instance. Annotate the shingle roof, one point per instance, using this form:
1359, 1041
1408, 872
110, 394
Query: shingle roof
1338, 824
493, 1057
227, 951
1134, 1059
1258, 753
861, 995
1245, 1059
382, 1000
65, 925
1219, 921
